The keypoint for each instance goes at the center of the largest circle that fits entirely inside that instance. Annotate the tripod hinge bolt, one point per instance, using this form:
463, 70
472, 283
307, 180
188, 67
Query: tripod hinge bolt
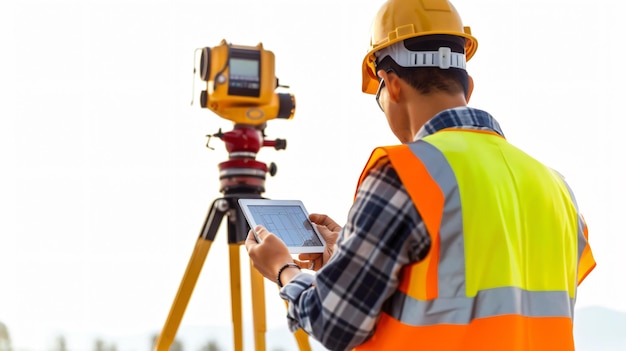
221, 205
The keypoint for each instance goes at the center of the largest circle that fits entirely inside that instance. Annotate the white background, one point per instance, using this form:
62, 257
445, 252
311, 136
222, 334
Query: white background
105, 179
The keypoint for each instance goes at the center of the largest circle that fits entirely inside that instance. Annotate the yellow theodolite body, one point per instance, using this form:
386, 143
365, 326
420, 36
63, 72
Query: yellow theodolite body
241, 84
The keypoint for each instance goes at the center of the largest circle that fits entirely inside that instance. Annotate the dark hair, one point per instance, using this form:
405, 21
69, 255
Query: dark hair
427, 80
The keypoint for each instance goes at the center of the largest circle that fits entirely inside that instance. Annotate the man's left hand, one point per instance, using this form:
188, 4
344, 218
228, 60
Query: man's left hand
269, 255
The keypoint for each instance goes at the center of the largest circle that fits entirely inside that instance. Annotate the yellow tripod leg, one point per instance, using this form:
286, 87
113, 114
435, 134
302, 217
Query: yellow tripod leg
302, 338
166, 338
235, 295
258, 308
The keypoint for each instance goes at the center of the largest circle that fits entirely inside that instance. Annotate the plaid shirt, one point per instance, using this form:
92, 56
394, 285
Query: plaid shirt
339, 306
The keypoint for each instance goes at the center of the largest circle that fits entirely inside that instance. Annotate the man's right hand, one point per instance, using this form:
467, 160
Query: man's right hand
330, 232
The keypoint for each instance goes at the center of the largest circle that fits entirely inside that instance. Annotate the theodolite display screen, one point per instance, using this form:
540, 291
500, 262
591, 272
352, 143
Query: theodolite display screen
244, 73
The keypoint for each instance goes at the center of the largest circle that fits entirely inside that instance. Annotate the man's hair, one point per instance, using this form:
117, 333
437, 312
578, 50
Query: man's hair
427, 80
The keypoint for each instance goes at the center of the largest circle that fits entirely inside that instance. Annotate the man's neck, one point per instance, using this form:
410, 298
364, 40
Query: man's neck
424, 107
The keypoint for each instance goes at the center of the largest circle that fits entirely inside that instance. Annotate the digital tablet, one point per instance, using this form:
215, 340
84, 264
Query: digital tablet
287, 219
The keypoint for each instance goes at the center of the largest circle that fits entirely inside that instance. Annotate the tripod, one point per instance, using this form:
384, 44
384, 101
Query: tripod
242, 176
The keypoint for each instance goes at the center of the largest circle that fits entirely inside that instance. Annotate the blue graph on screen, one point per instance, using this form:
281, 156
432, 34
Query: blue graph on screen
287, 222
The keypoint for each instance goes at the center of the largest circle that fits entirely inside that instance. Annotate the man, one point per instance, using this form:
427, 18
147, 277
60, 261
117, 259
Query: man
457, 240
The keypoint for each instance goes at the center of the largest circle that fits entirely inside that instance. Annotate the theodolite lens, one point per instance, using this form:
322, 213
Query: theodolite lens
205, 64
286, 106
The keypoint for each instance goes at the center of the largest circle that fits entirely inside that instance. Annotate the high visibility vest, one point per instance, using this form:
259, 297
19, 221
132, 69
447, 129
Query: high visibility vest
508, 249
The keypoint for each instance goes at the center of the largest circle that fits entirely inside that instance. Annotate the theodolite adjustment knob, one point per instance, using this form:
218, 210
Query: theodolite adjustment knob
272, 169
281, 144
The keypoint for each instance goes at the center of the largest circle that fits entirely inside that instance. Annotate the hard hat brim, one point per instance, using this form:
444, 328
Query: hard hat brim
370, 80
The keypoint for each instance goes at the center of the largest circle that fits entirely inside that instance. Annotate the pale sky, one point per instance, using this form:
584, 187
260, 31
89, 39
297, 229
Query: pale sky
106, 180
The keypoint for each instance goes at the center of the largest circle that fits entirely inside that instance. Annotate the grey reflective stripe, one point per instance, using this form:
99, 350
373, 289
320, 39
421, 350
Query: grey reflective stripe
487, 303
582, 242
451, 268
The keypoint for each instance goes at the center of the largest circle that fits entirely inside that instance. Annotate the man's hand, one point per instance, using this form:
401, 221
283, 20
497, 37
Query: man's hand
330, 231
269, 255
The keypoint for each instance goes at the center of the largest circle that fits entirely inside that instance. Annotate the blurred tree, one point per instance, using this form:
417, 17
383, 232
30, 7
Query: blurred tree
5, 340
177, 345
60, 344
102, 346
211, 345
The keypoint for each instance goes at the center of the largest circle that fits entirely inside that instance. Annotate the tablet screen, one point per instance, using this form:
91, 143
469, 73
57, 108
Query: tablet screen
289, 223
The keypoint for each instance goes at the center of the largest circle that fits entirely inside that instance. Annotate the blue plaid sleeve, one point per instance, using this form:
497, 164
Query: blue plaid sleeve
340, 305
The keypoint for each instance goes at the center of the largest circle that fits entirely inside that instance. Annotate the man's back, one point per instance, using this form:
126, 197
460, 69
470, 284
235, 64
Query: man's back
502, 269
520, 221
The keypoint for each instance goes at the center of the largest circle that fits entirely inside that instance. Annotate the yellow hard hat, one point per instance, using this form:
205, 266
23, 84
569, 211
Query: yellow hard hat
398, 20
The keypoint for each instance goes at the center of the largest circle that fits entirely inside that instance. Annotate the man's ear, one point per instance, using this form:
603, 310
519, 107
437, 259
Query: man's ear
393, 84
470, 87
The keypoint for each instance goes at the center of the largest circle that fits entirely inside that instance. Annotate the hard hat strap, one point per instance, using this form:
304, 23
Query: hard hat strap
444, 58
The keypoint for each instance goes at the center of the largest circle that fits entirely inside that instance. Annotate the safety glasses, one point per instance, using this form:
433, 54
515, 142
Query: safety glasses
381, 85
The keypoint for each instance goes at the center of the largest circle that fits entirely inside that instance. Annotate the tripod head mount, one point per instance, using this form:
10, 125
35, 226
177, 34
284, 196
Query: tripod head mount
242, 173
248, 139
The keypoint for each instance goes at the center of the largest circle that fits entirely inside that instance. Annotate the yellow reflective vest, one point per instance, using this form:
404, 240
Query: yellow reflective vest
508, 249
